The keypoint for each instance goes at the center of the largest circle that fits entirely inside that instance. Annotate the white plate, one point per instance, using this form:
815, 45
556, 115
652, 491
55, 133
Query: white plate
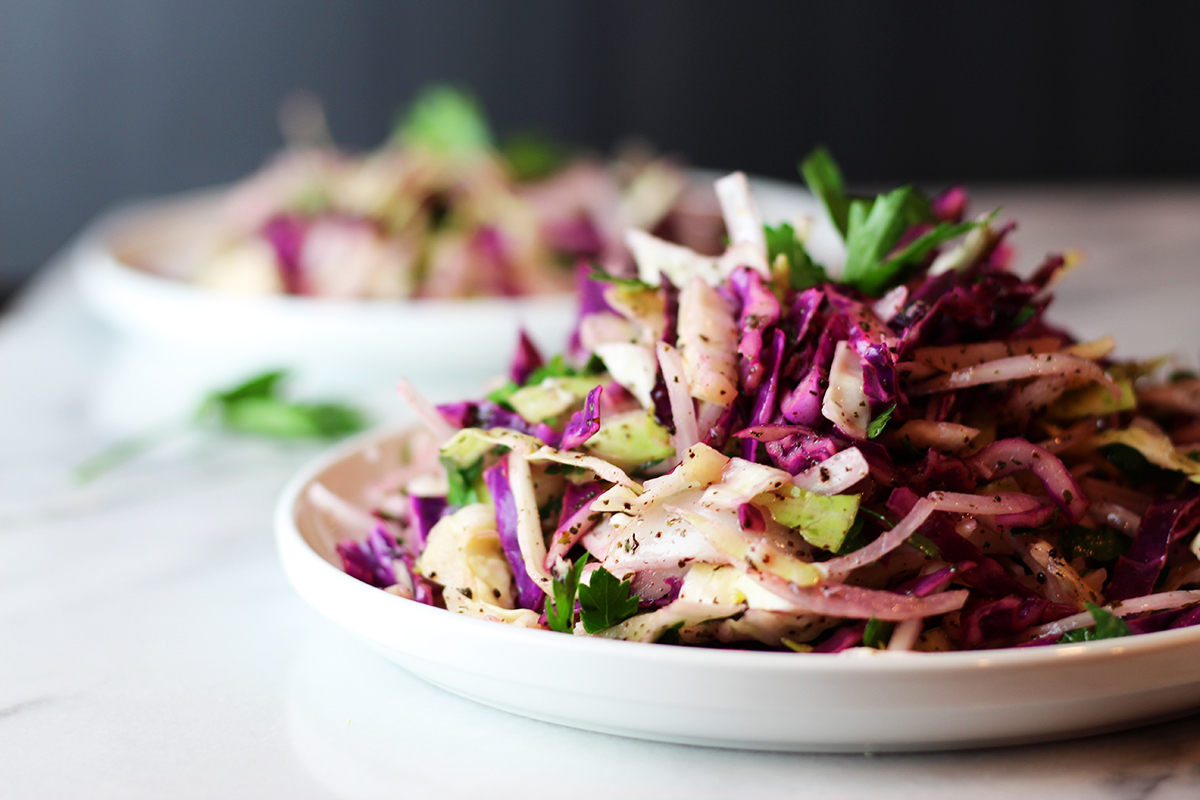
856, 701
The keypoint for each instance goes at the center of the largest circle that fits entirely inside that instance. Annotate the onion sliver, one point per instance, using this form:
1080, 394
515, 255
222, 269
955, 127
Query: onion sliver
835, 474
838, 568
948, 358
425, 410
683, 411
1018, 368
989, 505
1137, 605
1013, 455
856, 602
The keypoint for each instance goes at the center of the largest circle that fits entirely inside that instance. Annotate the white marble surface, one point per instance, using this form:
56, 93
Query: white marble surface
150, 647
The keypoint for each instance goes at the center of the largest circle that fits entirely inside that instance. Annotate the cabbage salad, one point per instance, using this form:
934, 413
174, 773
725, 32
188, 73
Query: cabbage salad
738, 451
440, 210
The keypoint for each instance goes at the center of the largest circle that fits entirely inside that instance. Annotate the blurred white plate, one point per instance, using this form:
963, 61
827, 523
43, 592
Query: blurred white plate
411, 337
855, 701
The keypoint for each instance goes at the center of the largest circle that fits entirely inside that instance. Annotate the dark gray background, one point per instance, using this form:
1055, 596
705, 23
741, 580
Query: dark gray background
101, 101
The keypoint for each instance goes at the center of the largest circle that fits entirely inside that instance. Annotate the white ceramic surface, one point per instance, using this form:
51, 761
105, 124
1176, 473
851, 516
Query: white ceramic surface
860, 700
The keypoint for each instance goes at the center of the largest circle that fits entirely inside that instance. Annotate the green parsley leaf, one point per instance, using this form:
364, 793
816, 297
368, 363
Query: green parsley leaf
880, 518
824, 179
802, 272
446, 120
855, 538
463, 482
1097, 545
253, 406
871, 234
925, 545
1134, 466
557, 367
1024, 315
270, 416
1108, 626
500, 396
560, 611
670, 635
877, 633
627, 283
605, 601
918, 248
879, 423
265, 385
532, 156
796, 647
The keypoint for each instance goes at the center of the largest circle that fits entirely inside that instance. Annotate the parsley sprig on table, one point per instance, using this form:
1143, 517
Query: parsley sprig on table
255, 406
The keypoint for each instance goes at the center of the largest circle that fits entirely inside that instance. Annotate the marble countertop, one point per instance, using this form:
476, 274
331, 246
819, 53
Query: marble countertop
150, 646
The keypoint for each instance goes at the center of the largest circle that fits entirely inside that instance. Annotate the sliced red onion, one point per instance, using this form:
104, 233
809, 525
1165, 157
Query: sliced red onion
839, 568
835, 474
990, 504
425, 410
1127, 608
1007, 456
683, 410
1042, 514
954, 357
945, 436
350, 521
1099, 491
771, 433
906, 633
1116, 517
1018, 368
1038, 395
857, 602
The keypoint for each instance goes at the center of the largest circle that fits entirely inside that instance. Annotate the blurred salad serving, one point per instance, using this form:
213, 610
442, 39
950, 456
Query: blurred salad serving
440, 210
